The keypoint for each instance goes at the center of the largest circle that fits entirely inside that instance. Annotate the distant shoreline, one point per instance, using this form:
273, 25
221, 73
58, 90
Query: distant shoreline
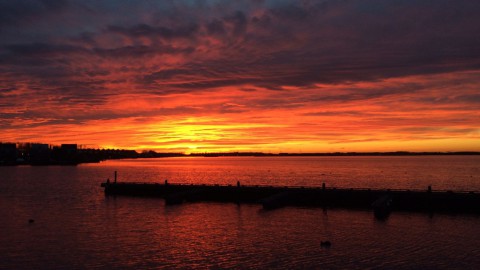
37, 154
397, 153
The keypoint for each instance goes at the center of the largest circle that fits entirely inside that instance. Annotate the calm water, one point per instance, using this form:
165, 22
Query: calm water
77, 227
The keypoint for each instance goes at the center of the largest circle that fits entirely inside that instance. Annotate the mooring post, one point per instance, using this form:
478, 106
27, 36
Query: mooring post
429, 189
115, 177
323, 186
238, 183
166, 182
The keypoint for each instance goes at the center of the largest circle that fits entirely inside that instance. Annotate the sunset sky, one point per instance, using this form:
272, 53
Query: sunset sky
243, 75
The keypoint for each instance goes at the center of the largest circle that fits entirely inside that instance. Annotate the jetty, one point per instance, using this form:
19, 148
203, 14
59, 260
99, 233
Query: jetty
381, 201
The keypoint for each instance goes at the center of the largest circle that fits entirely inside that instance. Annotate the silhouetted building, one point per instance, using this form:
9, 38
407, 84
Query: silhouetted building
66, 154
69, 153
8, 153
39, 154
70, 149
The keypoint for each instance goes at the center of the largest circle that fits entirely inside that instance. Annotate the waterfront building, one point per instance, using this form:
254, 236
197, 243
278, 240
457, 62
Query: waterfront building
8, 153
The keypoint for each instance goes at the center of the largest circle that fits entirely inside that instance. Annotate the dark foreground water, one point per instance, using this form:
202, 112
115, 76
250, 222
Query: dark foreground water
77, 227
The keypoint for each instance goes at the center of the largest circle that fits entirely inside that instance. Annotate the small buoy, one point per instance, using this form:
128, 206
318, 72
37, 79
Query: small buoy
325, 244
31, 221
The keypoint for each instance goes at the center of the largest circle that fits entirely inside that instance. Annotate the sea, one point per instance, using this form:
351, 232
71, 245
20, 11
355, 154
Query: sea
58, 217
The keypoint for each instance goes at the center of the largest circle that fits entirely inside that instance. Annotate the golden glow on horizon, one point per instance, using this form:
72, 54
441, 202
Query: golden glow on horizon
321, 118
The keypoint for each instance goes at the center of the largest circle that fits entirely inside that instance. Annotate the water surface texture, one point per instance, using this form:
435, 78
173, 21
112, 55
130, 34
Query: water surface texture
402, 172
76, 227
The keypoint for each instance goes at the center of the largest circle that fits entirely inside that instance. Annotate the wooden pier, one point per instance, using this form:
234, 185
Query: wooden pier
382, 201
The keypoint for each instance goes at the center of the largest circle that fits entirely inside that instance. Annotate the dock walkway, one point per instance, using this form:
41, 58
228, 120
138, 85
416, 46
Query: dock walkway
380, 200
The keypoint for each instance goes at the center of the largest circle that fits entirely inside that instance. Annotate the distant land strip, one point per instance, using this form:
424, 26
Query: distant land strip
72, 154
397, 153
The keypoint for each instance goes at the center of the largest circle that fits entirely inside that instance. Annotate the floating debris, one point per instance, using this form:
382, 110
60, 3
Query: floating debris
325, 244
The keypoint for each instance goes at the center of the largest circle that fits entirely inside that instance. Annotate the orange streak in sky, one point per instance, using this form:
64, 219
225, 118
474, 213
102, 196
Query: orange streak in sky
365, 116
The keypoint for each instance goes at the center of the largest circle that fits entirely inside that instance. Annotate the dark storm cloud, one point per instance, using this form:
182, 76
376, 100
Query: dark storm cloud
144, 30
216, 27
27, 11
42, 49
312, 41
238, 21
140, 51
333, 42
